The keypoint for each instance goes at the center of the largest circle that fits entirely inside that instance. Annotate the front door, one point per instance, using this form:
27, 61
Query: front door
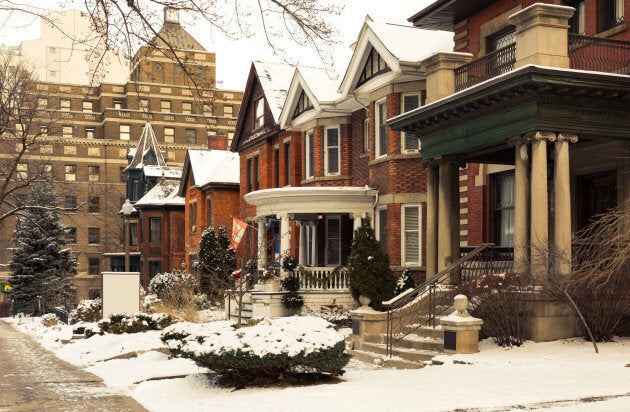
597, 194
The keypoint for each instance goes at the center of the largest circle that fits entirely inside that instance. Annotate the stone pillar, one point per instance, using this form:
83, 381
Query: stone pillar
441, 73
539, 229
461, 331
448, 214
432, 220
262, 246
357, 220
521, 205
542, 35
562, 202
302, 246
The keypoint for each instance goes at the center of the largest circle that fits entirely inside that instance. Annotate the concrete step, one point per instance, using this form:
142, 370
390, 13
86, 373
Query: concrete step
380, 360
417, 342
409, 354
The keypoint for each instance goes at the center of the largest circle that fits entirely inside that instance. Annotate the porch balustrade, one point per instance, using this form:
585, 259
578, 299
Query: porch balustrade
323, 278
491, 65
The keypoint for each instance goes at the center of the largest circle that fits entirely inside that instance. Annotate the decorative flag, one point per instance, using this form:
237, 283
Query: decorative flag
238, 230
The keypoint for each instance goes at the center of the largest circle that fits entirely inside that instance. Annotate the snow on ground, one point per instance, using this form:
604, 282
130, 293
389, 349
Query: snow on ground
564, 375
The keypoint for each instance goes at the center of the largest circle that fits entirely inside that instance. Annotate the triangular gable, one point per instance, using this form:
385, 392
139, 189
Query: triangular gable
303, 104
147, 151
374, 66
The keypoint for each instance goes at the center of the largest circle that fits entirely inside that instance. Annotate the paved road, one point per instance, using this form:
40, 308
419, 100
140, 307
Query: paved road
33, 379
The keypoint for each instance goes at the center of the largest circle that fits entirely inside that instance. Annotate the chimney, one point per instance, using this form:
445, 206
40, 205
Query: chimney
171, 15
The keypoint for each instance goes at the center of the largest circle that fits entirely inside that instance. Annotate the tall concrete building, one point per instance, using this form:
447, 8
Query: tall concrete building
85, 147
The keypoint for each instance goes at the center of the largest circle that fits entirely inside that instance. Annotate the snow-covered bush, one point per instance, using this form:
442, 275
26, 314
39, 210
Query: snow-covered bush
87, 329
337, 316
134, 323
86, 311
405, 282
175, 280
268, 350
50, 319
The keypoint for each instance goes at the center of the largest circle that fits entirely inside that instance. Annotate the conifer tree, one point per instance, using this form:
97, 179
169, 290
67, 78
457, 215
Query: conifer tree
368, 268
217, 260
41, 265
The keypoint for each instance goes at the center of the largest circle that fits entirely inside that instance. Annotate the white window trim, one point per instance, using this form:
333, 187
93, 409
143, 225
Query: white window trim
377, 221
403, 234
377, 140
326, 159
403, 135
307, 161
366, 135
259, 118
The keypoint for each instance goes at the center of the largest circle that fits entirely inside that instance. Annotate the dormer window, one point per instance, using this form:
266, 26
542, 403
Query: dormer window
259, 113
303, 104
374, 66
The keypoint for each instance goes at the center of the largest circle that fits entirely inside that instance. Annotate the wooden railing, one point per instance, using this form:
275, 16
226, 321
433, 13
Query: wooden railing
598, 54
323, 278
491, 65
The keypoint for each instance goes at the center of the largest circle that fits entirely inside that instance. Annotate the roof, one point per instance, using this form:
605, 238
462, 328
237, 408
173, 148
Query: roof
274, 79
162, 194
173, 35
147, 151
443, 14
322, 85
208, 167
167, 172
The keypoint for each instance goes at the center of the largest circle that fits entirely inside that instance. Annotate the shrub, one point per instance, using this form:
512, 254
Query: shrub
368, 268
86, 311
291, 299
405, 282
50, 319
135, 323
172, 282
499, 300
269, 350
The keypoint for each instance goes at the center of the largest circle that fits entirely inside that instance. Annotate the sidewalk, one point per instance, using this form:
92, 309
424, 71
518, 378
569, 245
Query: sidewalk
33, 379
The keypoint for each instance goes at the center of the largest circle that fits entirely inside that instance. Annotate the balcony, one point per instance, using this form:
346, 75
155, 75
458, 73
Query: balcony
585, 53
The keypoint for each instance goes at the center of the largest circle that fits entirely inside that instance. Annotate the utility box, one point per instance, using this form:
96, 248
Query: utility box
120, 292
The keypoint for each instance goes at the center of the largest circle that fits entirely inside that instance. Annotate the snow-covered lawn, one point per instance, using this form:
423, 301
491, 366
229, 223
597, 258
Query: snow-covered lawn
562, 375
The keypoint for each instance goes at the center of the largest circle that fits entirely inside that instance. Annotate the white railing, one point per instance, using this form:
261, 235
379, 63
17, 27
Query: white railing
324, 278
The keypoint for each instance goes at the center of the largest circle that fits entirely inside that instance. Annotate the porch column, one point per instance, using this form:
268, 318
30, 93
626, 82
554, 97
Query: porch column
539, 230
432, 219
357, 220
521, 204
285, 235
262, 247
562, 202
448, 214
302, 244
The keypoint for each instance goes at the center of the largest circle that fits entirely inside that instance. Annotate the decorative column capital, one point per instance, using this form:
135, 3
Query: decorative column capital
516, 141
567, 137
360, 215
538, 136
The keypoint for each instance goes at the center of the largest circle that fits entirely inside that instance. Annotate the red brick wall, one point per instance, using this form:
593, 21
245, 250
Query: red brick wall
359, 159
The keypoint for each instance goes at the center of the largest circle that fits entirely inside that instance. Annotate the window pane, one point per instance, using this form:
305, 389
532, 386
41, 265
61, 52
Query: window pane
412, 234
383, 140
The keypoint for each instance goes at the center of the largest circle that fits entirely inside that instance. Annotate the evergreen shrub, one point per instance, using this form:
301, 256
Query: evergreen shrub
134, 323
86, 311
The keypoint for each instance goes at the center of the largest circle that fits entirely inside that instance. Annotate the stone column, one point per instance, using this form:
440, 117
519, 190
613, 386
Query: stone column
285, 235
539, 229
262, 246
357, 220
302, 247
521, 205
441, 73
448, 214
432, 219
542, 35
562, 202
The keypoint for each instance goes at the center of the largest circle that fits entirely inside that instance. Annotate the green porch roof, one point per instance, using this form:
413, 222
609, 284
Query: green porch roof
475, 124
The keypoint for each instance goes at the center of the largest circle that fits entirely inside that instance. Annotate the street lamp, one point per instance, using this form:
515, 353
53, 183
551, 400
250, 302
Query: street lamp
127, 209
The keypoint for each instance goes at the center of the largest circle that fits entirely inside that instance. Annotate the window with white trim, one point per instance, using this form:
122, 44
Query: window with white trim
259, 112
381, 226
125, 131
366, 135
66, 131
186, 107
169, 135
382, 140
165, 106
333, 152
409, 140
333, 240
503, 209
411, 241
309, 155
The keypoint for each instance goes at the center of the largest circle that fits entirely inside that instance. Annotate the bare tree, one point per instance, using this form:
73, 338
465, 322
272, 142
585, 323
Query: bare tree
127, 25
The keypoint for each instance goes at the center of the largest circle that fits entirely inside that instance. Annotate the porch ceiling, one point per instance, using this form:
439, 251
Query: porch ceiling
475, 124
289, 200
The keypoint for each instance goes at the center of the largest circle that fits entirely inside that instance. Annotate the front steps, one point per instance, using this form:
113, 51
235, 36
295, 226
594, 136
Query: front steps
414, 351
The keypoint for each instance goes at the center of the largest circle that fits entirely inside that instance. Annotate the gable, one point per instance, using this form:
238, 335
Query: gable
303, 104
374, 66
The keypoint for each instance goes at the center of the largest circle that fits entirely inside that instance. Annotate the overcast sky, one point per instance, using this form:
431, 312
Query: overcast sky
234, 57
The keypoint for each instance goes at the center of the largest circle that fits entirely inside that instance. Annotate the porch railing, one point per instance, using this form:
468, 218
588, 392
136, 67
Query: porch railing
420, 306
491, 65
324, 278
497, 259
597, 54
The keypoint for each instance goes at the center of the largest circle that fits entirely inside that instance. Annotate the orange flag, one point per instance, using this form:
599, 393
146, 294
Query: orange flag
238, 230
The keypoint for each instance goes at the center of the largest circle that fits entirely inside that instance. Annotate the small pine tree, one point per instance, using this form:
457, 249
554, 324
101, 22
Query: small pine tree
368, 268
41, 265
217, 260
405, 282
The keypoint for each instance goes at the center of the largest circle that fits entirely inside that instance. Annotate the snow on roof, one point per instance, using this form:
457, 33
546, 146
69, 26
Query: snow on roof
147, 147
162, 194
417, 44
168, 172
214, 166
275, 79
320, 83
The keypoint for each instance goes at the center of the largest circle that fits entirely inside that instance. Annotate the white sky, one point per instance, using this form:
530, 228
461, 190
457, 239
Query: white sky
234, 57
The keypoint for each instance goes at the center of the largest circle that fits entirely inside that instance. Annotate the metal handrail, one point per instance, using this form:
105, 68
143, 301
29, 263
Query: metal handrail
491, 65
429, 288
599, 54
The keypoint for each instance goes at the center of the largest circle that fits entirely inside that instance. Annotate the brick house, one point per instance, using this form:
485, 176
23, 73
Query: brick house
210, 189
331, 160
541, 125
